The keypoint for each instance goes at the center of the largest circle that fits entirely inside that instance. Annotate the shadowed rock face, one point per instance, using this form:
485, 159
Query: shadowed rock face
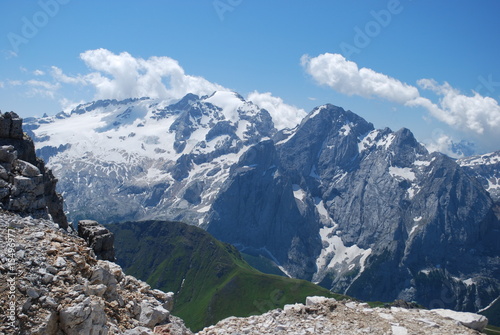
100, 239
27, 187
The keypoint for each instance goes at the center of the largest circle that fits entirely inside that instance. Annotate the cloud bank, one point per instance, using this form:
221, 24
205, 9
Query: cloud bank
122, 76
476, 115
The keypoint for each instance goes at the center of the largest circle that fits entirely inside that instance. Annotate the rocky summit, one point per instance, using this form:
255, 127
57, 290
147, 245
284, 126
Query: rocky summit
52, 284
330, 317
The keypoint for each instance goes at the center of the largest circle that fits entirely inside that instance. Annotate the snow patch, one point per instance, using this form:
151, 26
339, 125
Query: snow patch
414, 189
468, 282
317, 111
204, 209
486, 159
323, 213
298, 193
386, 141
337, 254
493, 184
345, 130
491, 304
422, 163
404, 173
368, 141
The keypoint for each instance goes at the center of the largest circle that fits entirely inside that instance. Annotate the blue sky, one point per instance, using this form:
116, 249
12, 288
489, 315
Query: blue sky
422, 59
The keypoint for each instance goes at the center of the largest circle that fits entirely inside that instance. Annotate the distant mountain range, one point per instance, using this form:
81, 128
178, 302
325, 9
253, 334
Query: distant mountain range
362, 211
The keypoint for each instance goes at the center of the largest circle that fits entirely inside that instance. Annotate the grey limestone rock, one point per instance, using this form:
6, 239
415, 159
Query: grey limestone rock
100, 239
27, 187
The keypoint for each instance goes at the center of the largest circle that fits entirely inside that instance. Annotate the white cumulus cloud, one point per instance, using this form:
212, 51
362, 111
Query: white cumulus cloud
122, 76
39, 73
284, 115
345, 77
476, 113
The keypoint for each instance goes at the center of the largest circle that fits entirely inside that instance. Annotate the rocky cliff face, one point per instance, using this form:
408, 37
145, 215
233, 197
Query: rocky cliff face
365, 212
100, 239
27, 187
486, 168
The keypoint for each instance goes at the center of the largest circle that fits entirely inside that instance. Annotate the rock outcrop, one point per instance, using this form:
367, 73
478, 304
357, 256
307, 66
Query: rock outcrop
52, 284
27, 187
326, 316
100, 239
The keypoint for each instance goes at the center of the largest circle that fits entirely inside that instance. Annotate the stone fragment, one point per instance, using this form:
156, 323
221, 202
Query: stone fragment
60, 262
52, 270
138, 331
152, 315
27, 169
87, 317
32, 293
39, 235
310, 301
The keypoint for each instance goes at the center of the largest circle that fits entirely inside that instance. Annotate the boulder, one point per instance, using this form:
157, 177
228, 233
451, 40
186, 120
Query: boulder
152, 315
87, 317
100, 239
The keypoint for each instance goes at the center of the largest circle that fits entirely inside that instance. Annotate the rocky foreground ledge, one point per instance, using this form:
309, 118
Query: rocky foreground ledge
330, 317
51, 283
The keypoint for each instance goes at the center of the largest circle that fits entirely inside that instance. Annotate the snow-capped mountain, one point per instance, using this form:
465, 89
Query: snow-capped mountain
363, 211
141, 158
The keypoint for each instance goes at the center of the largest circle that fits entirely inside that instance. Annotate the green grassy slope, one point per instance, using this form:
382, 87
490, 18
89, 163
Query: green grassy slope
262, 264
211, 280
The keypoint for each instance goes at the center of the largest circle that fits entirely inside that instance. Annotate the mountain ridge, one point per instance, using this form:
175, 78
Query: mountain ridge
210, 279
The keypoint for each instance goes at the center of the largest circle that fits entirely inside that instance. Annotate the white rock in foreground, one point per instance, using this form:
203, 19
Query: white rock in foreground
471, 320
